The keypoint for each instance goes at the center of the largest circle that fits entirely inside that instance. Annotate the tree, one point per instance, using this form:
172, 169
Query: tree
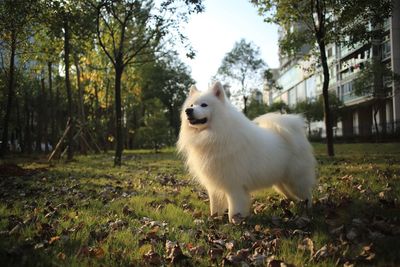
16, 20
256, 108
243, 65
155, 132
167, 79
321, 22
129, 32
311, 110
66, 20
280, 106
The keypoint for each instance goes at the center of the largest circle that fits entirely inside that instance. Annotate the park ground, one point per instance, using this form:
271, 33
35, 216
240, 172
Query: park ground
150, 212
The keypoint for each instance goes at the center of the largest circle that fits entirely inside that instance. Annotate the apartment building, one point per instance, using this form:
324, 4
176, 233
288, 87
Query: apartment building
301, 79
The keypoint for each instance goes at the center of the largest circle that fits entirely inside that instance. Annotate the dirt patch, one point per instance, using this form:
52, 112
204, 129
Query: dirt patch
7, 170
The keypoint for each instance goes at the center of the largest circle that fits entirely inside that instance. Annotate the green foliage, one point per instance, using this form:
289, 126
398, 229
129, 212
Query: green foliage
311, 111
335, 105
374, 72
280, 106
155, 132
341, 21
168, 79
256, 109
243, 67
241, 62
139, 37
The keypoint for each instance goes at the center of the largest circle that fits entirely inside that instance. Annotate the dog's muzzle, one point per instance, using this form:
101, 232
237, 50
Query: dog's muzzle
192, 119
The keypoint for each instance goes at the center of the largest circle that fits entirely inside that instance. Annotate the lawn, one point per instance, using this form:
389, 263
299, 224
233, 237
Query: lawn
150, 212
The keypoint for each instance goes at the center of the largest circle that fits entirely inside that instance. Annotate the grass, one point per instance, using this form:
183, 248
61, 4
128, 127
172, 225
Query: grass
149, 211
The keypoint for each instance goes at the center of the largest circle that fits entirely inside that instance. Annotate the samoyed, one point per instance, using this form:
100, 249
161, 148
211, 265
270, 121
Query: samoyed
232, 156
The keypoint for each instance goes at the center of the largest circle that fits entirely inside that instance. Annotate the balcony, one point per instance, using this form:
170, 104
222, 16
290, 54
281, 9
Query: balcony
351, 99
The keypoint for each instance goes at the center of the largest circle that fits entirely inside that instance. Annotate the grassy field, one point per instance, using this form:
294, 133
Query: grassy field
149, 212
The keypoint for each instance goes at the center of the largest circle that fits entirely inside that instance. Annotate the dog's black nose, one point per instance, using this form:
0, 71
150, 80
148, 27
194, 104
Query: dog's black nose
189, 112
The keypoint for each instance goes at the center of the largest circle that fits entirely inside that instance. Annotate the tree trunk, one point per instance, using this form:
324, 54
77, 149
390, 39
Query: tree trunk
40, 117
11, 85
80, 90
327, 110
51, 108
118, 114
70, 151
245, 98
325, 93
376, 110
19, 124
27, 147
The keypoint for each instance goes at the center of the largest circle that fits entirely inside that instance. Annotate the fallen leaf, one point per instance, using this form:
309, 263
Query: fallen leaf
152, 258
97, 252
215, 253
307, 245
54, 239
61, 256
229, 245
197, 251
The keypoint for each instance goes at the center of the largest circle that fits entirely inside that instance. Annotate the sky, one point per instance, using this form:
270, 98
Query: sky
213, 33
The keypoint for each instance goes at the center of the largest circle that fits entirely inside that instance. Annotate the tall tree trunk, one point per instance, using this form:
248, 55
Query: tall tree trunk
19, 123
45, 116
245, 98
80, 89
11, 85
40, 117
52, 103
318, 7
70, 151
27, 147
325, 93
375, 111
118, 114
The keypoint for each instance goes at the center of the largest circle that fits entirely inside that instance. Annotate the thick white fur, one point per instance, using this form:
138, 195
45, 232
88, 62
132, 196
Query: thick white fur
232, 156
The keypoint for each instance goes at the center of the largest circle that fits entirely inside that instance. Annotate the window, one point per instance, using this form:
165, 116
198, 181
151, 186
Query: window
330, 52
386, 50
311, 88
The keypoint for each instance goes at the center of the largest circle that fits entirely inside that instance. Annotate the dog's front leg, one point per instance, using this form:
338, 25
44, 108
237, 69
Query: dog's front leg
238, 202
218, 202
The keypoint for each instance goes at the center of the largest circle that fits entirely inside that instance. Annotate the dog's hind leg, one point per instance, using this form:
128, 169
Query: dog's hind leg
218, 202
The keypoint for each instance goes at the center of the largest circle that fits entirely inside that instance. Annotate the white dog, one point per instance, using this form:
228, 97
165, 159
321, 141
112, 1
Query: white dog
232, 156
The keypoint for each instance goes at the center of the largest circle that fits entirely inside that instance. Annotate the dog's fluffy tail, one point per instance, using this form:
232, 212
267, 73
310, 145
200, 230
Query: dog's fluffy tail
285, 125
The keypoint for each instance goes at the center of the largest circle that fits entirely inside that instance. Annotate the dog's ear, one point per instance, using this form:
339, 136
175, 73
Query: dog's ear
193, 90
218, 91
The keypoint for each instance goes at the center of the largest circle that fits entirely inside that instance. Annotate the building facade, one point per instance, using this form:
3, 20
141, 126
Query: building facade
301, 79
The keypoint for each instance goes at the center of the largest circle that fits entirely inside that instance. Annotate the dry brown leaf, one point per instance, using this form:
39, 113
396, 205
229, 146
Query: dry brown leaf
61, 256
54, 239
152, 258
307, 245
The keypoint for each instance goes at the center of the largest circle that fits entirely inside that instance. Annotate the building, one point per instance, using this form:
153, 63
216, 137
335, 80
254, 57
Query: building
301, 79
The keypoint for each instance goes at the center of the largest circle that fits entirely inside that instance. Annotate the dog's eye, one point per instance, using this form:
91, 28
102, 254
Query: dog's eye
191, 105
203, 105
